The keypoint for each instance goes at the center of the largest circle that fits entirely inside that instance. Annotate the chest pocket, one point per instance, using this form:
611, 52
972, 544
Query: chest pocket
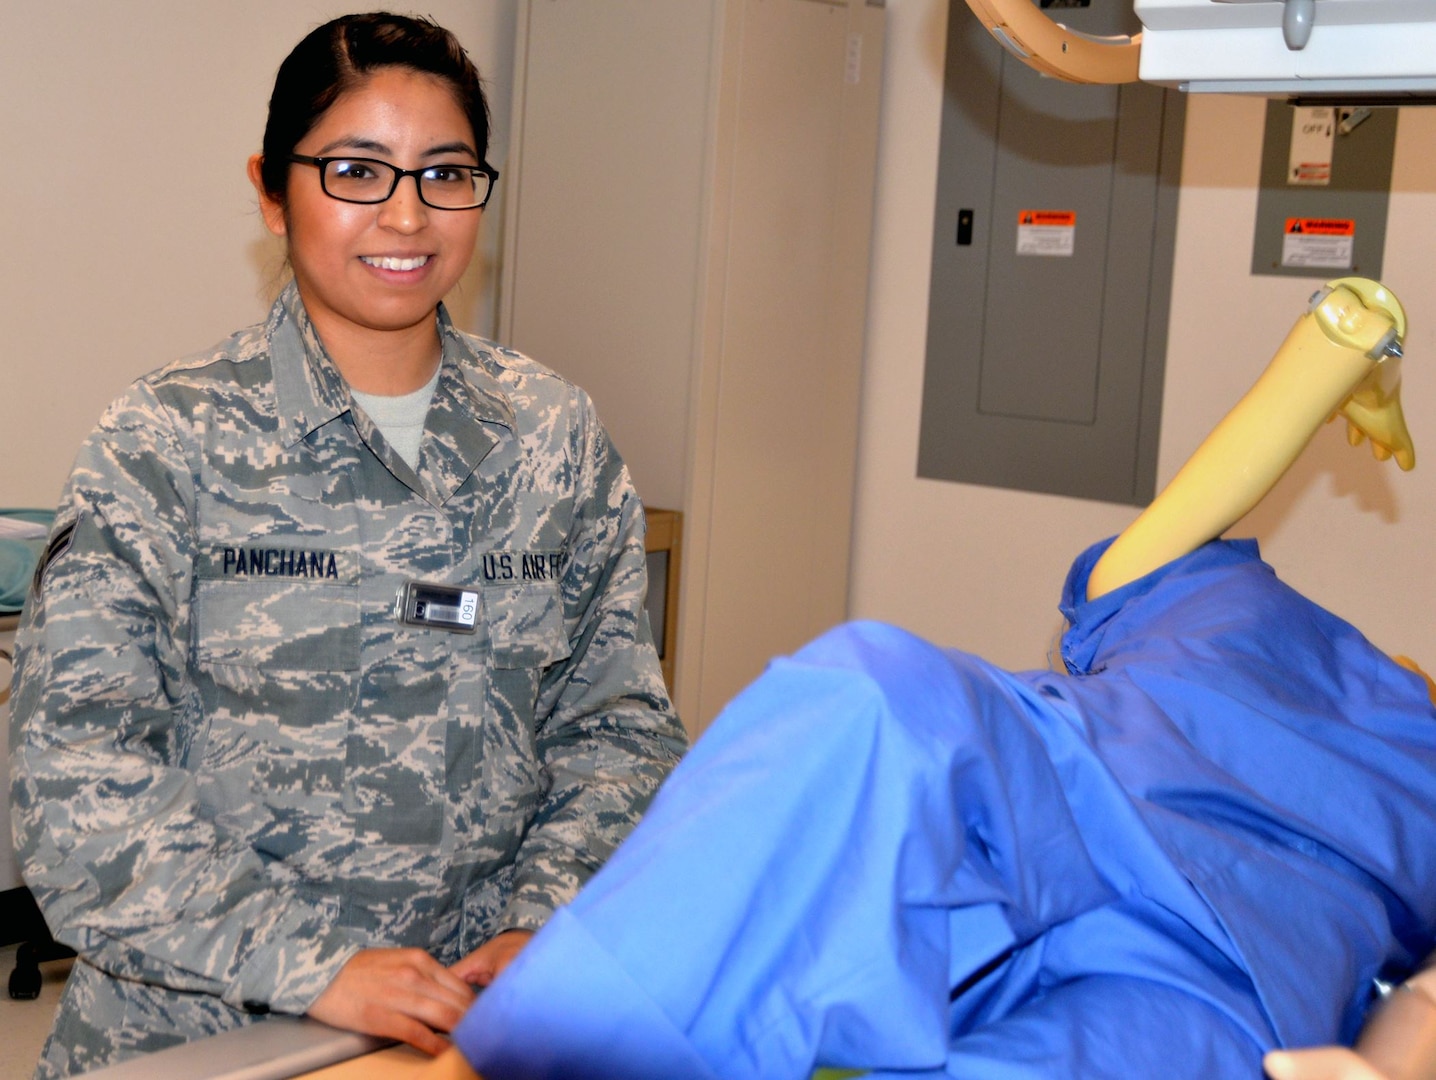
277, 666
277, 609
525, 624
277, 626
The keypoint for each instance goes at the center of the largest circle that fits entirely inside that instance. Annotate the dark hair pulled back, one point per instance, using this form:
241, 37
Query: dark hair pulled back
338, 56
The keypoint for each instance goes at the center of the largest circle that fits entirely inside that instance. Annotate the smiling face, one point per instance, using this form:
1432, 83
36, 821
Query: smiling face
372, 275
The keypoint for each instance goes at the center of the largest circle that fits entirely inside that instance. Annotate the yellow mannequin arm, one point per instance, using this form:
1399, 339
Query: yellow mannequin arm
1341, 356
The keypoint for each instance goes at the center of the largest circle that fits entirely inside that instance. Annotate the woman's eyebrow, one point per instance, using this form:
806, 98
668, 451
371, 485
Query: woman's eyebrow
451, 148
355, 142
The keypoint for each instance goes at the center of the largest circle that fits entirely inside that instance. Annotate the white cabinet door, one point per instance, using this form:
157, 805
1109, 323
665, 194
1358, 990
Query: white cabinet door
688, 234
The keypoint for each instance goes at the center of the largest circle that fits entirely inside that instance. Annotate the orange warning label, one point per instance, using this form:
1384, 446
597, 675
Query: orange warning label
1296, 226
1066, 218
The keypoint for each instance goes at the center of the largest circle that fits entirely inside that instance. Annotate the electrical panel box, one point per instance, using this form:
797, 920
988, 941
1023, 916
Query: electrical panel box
1325, 187
1051, 275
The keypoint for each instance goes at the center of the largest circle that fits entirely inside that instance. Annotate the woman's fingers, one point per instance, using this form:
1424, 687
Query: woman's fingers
402, 994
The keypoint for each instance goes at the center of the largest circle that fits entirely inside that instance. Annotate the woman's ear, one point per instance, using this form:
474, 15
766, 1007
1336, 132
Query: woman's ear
269, 206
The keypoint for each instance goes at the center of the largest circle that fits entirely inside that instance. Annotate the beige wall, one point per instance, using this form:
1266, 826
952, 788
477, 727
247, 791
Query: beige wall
131, 234
981, 568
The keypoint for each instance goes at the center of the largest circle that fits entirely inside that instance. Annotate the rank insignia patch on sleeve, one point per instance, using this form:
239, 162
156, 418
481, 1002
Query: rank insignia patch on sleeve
59, 544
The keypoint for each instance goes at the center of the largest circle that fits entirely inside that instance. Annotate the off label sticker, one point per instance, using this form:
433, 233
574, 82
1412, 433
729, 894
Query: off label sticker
1319, 243
1313, 131
1046, 232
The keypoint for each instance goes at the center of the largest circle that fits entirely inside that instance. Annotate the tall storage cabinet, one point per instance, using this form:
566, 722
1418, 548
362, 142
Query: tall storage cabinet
690, 208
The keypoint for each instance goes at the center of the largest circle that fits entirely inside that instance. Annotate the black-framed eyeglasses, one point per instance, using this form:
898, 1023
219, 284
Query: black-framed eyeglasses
368, 180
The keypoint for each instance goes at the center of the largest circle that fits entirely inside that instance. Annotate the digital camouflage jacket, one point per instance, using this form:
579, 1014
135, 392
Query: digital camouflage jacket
234, 767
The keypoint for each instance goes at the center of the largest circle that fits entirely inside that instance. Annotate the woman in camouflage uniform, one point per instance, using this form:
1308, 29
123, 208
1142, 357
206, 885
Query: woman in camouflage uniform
335, 679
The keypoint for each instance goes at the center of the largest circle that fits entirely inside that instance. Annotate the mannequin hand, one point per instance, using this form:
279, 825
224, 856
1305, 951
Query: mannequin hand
1319, 1063
1373, 411
482, 966
402, 994
1398, 1042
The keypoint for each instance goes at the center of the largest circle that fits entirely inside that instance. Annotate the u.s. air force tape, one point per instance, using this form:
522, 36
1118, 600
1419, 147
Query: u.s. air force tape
438, 607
